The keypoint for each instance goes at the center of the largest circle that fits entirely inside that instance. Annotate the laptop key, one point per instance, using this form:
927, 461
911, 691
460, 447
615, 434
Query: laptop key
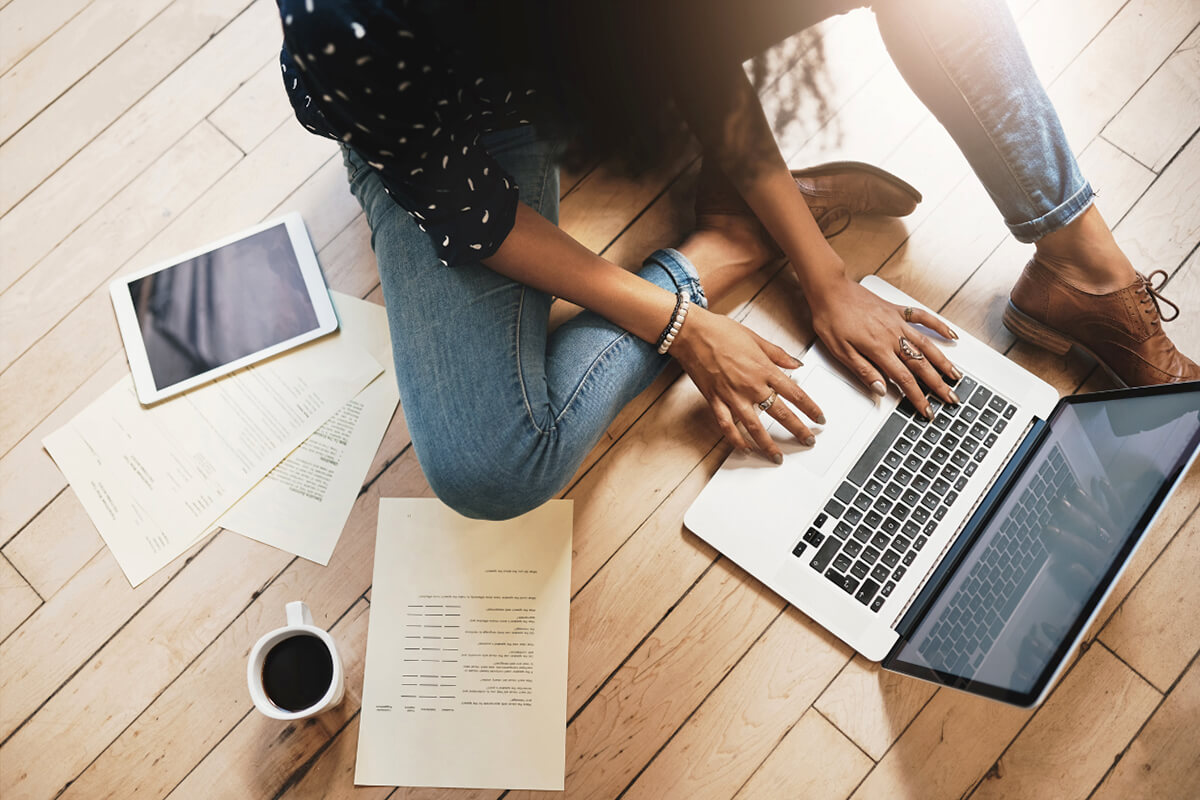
920, 483
883, 505
863, 501
846, 492
879, 573
902, 446
964, 388
990, 440
862, 533
814, 537
980, 397
852, 548
877, 604
1000, 425
969, 414
824, 555
929, 470
891, 525
960, 484
866, 592
958, 428
997, 404
922, 449
859, 570
879, 541
891, 558
886, 591
1009, 410
873, 487
911, 528
909, 557
930, 528
940, 455
898, 572
834, 509
893, 490
846, 583
871, 457
912, 432
853, 516
873, 519
919, 542
841, 562
920, 514
970, 468
842, 530
798, 550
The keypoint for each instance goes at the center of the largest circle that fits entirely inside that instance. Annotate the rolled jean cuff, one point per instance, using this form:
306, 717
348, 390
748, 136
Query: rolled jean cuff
682, 274
1057, 219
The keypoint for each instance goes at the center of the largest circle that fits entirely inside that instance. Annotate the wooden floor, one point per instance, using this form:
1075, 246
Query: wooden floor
135, 129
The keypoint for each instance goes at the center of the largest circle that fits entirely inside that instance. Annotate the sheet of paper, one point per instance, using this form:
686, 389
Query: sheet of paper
303, 504
153, 480
466, 669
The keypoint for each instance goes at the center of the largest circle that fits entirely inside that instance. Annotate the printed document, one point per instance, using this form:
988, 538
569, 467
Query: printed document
153, 480
466, 668
303, 504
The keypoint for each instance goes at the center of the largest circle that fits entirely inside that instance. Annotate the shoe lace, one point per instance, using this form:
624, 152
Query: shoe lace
1150, 295
832, 217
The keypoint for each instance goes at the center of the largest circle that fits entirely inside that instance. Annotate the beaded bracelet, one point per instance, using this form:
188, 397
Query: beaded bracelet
672, 330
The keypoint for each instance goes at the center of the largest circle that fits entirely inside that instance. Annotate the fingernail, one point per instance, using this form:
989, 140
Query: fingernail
819, 419
878, 388
796, 362
747, 450
809, 441
954, 398
953, 335
777, 458
954, 373
928, 412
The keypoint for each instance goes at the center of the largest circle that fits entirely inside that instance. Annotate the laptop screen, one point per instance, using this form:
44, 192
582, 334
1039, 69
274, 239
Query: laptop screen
1026, 579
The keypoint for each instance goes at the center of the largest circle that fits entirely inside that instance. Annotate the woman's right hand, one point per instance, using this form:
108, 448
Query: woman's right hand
736, 369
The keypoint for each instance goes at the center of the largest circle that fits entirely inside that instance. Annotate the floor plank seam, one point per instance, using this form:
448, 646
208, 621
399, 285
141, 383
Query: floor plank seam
707, 694
895, 740
847, 736
43, 40
636, 647
101, 554
36, 514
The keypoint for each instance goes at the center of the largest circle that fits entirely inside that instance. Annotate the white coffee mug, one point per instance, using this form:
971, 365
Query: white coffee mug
299, 621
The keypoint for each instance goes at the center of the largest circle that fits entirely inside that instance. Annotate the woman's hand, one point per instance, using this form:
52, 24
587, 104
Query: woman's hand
864, 331
736, 369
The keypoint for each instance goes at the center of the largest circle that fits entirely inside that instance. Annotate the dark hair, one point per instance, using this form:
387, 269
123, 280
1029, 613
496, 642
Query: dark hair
608, 73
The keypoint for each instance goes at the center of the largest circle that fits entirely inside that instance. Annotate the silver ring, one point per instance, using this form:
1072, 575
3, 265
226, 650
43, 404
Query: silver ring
908, 312
908, 351
770, 401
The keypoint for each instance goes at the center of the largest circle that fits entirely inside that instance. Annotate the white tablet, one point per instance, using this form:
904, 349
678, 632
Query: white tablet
222, 307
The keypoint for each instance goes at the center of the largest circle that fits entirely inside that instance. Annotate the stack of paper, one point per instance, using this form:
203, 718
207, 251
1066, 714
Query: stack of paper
155, 480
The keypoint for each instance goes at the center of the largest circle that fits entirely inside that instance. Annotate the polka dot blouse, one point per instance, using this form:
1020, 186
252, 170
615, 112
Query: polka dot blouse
371, 74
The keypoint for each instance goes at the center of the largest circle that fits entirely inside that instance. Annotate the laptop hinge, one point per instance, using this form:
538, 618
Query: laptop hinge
950, 541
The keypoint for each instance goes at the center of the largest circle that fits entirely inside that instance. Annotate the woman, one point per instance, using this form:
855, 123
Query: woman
432, 106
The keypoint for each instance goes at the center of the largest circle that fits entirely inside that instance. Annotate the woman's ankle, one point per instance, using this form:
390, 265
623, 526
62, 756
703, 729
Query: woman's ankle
1085, 254
726, 249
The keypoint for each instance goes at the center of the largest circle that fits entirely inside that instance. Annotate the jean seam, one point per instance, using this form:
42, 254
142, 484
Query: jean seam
521, 364
1067, 209
970, 107
591, 368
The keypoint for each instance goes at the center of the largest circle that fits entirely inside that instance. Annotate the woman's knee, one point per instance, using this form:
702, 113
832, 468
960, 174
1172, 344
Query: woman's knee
496, 484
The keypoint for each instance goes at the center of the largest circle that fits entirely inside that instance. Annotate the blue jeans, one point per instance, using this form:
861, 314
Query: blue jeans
502, 412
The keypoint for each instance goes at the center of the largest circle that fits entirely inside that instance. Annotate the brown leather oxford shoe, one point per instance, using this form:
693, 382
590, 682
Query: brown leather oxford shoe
834, 192
1122, 330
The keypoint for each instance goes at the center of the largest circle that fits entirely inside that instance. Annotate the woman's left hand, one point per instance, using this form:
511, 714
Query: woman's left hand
865, 333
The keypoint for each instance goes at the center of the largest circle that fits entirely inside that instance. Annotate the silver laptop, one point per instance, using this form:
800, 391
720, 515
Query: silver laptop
972, 550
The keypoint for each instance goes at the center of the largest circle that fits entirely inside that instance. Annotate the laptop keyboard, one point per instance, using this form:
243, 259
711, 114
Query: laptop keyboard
908, 478
974, 617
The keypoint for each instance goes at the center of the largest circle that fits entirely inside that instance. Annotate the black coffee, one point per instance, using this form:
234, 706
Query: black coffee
297, 672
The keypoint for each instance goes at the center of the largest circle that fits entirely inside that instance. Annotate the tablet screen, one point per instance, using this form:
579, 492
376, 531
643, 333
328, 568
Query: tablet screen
226, 304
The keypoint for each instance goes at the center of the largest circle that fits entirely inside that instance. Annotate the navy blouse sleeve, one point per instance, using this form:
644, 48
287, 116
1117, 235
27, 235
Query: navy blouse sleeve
363, 73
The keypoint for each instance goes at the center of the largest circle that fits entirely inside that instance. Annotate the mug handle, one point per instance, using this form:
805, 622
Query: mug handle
298, 614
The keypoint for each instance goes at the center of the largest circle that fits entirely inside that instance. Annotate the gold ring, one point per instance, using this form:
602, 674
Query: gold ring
908, 351
908, 312
770, 401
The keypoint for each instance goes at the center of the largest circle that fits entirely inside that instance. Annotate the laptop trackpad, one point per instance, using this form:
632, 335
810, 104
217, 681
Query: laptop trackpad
846, 407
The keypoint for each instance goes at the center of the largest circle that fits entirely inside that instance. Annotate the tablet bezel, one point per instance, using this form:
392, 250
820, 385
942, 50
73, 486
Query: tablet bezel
135, 349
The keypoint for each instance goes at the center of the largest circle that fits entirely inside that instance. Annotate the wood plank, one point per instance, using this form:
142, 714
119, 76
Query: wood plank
105, 93
17, 599
1164, 227
1164, 759
255, 109
56, 544
136, 663
663, 681
1165, 112
1155, 630
746, 716
813, 761
258, 756
67, 55
1056, 31
65, 632
84, 259
872, 706
1072, 740
24, 24
1123, 56
141, 135
87, 336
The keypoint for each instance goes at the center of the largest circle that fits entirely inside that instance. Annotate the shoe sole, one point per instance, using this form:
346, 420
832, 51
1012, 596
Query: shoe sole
1038, 334
836, 167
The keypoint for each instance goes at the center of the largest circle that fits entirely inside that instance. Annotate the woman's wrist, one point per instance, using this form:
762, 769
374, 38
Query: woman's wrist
820, 275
